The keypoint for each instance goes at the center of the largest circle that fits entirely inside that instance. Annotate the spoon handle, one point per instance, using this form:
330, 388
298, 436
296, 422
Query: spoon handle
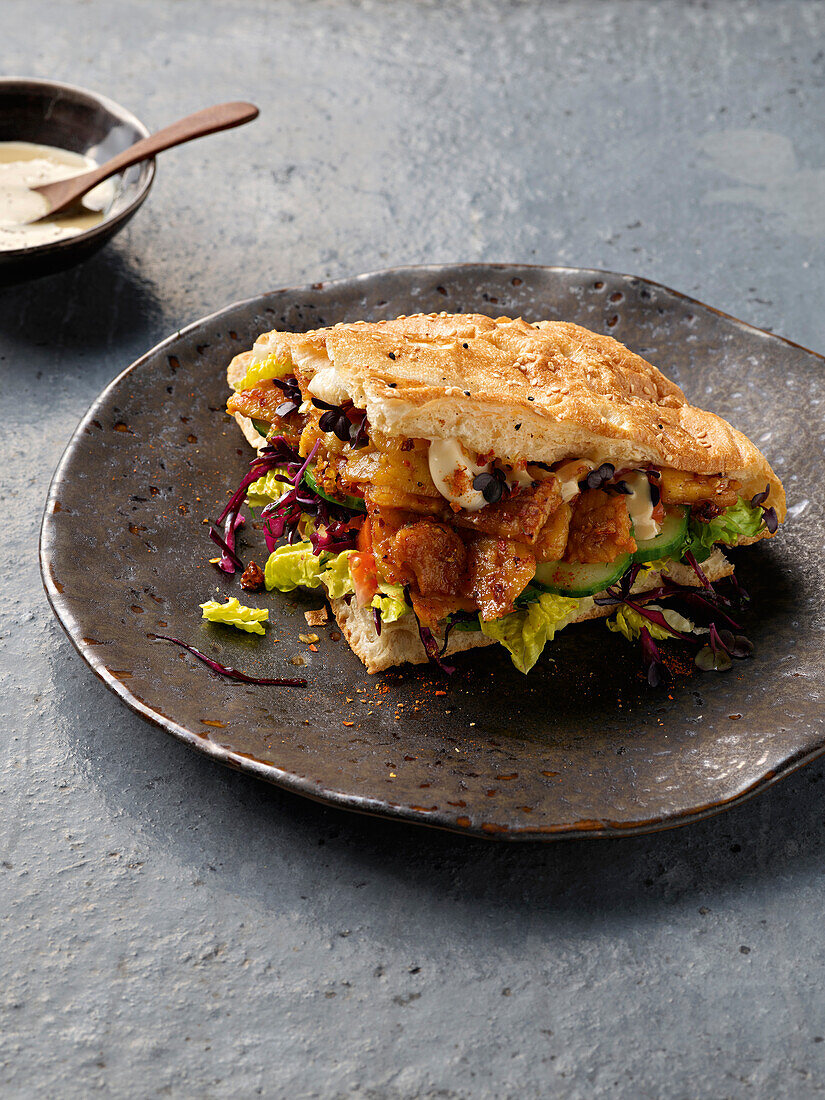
208, 121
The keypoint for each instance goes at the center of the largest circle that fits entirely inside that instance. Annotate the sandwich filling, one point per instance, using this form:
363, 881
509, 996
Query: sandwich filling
462, 539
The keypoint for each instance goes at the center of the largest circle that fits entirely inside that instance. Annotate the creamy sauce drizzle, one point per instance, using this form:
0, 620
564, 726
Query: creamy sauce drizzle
570, 487
453, 468
447, 458
640, 507
23, 166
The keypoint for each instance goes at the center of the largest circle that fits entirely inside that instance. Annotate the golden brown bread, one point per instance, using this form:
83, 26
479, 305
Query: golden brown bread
400, 644
541, 392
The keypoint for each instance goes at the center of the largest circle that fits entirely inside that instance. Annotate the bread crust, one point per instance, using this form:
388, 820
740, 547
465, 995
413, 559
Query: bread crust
541, 392
400, 644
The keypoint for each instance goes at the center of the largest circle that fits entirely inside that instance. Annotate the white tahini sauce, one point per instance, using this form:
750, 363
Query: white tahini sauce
570, 487
23, 166
447, 458
640, 507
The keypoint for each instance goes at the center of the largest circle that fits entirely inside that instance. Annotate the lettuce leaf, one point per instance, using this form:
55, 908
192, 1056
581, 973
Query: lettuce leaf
290, 567
233, 613
336, 577
525, 633
337, 580
390, 602
742, 518
657, 565
259, 372
629, 622
268, 488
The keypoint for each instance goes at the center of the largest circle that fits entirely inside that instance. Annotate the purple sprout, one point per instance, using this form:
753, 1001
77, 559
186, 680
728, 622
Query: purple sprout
654, 668
598, 477
492, 485
769, 516
227, 671
428, 639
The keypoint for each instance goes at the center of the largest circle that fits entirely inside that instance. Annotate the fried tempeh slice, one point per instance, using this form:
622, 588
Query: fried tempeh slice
520, 517
498, 571
599, 528
434, 554
679, 487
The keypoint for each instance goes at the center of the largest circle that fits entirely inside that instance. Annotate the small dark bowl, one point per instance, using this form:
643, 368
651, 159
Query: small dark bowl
49, 113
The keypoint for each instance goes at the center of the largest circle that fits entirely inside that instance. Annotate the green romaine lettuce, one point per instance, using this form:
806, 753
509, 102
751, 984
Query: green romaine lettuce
390, 602
260, 372
268, 488
629, 622
525, 633
233, 613
742, 518
336, 576
290, 567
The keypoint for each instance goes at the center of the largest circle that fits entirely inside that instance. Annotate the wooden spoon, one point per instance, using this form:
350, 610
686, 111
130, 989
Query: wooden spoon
224, 116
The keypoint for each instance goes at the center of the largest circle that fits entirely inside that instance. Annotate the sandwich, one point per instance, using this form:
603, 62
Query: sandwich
450, 481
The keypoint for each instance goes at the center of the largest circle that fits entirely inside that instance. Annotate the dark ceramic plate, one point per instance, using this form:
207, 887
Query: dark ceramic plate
581, 747
48, 113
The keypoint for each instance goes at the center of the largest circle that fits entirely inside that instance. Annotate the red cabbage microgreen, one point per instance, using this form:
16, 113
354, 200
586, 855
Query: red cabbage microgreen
492, 485
229, 560
654, 667
292, 393
723, 644
598, 477
697, 569
428, 639
722, 647
769, 516
296, 481
227, 671
345, 422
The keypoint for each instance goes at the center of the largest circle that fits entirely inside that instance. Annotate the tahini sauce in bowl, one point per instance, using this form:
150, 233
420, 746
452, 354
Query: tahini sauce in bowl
24, 165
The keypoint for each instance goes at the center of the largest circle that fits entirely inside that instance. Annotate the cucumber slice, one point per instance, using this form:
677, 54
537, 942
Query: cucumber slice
669, 541
261, 426
355, 503
570, 578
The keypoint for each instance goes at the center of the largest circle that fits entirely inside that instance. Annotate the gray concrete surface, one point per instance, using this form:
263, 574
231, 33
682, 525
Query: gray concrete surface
173, 929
